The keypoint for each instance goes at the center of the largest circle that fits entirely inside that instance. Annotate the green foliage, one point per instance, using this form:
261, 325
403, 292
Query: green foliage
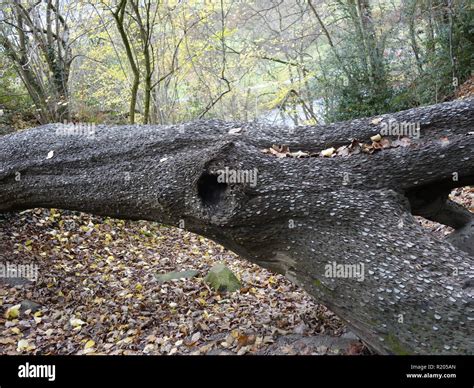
16, 105
402, 84
13, 95
355, 100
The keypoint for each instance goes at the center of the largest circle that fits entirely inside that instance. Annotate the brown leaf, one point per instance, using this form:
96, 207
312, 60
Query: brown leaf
280, 151
385, 143
376, 145
244, 340
368, 149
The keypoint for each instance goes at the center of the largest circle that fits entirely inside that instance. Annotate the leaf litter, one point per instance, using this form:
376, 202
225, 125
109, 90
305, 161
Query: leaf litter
110, 286
99, 291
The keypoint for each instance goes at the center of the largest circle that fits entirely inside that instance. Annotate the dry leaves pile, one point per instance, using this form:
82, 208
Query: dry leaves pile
355, 147
466, 89
97, 292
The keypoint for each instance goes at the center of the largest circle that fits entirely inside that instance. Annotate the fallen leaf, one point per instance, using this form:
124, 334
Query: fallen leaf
76, 323
328, 152
13, 312
385, 143
7, 341
300, 154
195, 337
376, 137
280, 151
245, 340
89, 344
343, 151
24, 345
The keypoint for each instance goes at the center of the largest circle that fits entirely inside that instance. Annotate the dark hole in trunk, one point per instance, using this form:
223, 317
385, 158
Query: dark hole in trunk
210, 190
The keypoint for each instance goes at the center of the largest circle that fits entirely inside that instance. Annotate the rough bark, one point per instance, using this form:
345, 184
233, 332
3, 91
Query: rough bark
302, 214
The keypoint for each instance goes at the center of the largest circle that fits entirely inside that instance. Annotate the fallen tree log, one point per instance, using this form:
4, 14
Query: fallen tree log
411, 293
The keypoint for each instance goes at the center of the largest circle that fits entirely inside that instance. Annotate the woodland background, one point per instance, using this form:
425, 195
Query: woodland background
282, 62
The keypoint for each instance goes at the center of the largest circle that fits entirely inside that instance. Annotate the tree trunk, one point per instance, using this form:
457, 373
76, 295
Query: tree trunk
301, 214
119, 15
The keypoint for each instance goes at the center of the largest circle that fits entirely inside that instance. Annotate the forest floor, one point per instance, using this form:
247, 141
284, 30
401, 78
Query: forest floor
101, 271
97, 293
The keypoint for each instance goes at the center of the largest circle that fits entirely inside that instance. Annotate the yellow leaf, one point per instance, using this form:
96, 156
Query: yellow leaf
13, 312
24, 345
89, 344
235, 333
15, 330
376, 137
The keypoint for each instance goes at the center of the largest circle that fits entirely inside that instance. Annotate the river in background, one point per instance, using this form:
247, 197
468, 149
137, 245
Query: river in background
282, 117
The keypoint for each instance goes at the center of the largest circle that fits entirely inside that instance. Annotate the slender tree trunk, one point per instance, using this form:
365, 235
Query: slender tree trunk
119, 21
373, 52
414, 45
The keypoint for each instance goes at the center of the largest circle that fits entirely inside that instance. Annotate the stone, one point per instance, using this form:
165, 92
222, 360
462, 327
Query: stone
29, 305
222, 279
